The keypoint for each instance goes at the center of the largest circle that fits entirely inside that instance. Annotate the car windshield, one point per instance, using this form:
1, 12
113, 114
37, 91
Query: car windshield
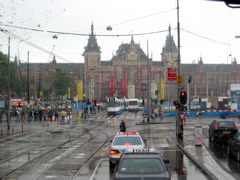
225, 124
127, 140
141, 166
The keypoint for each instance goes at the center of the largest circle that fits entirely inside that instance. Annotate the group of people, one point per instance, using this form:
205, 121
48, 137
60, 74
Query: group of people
40, 114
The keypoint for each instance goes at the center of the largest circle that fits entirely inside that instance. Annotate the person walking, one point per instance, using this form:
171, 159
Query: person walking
56, 115
122, 126
63, 114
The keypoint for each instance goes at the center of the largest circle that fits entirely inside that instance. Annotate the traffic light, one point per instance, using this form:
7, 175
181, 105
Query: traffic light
181, 125
183, 97
176, 104
182, 108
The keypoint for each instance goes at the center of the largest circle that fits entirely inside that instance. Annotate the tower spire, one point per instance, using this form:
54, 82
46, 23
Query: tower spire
169, 30
92, 29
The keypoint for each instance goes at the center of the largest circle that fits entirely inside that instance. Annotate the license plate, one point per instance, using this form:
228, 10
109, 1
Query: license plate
226, 132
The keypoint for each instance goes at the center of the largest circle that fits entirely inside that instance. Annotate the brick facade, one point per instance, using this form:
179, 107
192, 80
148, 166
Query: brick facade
133, 65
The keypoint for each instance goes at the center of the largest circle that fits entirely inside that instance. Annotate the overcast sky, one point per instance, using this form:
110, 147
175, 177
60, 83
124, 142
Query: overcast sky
208, 29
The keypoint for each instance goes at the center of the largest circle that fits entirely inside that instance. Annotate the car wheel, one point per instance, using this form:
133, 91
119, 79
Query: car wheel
238, 156
213, 139
229, 151
111, 164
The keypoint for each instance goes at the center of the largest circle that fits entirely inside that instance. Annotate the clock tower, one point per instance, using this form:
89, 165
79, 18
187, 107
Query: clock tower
92, 53
92, 57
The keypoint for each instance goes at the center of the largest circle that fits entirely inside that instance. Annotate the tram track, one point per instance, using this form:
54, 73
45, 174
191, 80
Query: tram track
70, 143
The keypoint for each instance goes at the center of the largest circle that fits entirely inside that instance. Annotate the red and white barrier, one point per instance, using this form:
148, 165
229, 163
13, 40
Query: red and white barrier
218, 110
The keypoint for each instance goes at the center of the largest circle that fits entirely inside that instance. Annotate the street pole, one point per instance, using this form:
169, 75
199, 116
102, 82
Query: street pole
28, 79
179, 70
8, 88
148, 91
228, 87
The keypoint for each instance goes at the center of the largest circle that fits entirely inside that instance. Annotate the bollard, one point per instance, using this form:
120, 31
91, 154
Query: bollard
198, 135
1, 129
22, 127
12, 130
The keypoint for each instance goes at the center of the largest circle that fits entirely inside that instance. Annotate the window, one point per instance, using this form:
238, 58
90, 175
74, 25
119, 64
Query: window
141, 166
127, 141
225, 124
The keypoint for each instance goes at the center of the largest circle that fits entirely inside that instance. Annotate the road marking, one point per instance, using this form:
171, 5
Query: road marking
95, 170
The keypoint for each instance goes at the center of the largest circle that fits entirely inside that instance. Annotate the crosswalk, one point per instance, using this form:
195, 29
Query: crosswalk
126, 115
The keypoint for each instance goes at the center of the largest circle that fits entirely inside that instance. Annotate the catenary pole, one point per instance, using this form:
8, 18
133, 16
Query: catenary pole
8, 88
179, 64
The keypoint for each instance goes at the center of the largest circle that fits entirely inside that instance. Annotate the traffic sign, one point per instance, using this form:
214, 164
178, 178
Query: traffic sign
172, 72
182, 116
179, 79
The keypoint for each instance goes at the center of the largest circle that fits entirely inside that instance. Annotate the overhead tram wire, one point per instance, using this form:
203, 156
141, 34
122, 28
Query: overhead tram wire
209, 39
142, 17
55, 32
81, 34
123, 22
34, 45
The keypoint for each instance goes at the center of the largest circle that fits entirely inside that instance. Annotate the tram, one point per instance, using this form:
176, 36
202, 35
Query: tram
133, 105
115, 106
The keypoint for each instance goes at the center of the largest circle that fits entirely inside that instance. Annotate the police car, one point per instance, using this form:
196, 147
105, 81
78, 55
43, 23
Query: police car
123, 141
141, 164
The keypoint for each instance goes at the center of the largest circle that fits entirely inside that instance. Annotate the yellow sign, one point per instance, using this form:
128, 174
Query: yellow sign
161, 88
69, 93
80, 90
179, 79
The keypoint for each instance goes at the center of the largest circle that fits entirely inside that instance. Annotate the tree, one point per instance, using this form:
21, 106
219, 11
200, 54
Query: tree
61, 83
58, 84
18, 83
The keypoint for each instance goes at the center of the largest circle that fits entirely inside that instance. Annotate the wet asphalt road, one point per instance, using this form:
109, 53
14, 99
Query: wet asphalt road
79, 150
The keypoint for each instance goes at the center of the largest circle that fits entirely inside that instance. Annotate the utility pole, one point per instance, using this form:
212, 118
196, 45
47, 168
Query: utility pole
8, 88
148, 91
179, 70
28, 80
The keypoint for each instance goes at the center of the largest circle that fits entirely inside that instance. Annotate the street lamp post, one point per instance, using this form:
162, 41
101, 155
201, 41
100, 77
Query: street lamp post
8, 88
228, 87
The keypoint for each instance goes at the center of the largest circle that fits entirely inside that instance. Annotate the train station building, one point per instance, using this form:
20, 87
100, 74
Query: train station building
131, 73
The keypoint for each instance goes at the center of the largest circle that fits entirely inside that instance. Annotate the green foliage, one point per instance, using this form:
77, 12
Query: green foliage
61, 83
58, 84
18, 83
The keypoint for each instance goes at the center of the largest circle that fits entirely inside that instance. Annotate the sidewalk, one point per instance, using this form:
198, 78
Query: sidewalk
201, 156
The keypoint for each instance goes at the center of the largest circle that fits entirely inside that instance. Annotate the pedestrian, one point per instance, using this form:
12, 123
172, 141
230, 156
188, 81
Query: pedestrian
35, 115
85, 113
40, 114
56, 115
63, 114
122, 126
23, 115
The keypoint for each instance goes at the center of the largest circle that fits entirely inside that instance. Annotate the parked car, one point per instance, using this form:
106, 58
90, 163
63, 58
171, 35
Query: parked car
140, 164
222, 130
234, 146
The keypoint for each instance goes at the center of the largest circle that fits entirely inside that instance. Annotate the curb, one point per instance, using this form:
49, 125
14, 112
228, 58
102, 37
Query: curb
197, 163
